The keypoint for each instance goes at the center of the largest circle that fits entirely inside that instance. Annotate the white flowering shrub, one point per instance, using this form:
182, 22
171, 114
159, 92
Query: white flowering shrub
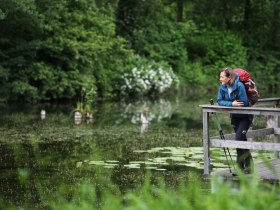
149, 78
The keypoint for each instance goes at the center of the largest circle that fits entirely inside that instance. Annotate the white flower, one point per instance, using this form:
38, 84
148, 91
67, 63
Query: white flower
147, 81
144, 77
134, 70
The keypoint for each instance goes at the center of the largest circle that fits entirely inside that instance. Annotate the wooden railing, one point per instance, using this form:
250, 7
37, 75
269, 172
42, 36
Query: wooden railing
230, 141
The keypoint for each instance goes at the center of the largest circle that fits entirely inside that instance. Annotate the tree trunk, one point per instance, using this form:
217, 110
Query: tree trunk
180, 5
275, 32
247, 14
225, 13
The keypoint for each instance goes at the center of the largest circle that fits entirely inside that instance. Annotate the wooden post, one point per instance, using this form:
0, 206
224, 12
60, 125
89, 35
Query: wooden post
276, 125
206, 142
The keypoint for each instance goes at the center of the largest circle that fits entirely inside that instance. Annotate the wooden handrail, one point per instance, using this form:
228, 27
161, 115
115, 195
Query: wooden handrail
252, 133
241, 110
268, 101
245, 145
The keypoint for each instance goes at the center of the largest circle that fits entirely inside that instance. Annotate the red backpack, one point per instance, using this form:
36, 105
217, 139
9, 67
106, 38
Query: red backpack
251, 89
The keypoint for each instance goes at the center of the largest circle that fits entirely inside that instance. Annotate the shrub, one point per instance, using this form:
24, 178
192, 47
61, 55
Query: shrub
148, 78
221, 48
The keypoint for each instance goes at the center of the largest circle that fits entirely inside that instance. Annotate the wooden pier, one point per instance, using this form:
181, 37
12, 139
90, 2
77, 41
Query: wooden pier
266, 171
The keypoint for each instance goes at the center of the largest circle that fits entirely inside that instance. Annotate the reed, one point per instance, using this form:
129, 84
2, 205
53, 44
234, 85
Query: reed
247, 194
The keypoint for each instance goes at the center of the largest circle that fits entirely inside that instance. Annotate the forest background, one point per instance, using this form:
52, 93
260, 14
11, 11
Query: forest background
107, 49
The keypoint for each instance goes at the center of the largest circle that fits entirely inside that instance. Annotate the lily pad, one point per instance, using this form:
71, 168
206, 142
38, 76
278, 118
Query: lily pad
160, 169
93, 162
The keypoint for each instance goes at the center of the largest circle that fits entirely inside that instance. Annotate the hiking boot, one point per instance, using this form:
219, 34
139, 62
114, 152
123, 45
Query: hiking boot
234, 173
247, 170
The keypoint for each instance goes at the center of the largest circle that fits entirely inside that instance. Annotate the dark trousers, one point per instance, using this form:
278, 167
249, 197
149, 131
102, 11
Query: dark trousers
241, 126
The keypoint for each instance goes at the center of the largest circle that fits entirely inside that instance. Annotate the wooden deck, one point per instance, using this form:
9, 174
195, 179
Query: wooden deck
266, 171
269, 171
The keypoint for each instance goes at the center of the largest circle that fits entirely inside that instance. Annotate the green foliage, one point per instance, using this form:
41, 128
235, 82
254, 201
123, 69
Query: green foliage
2, 14
19, 31
223, 49
56, 46
209, 52
48, 47
83, 42
250, 195
254, 26
193, 75
265, 68
151, 29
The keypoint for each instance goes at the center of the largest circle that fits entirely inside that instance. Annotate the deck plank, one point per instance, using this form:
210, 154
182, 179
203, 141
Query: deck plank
267, 171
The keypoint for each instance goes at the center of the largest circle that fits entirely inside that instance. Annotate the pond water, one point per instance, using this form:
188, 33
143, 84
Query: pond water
118, 146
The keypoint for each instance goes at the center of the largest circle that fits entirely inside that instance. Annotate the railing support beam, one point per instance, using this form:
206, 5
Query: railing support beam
206, 143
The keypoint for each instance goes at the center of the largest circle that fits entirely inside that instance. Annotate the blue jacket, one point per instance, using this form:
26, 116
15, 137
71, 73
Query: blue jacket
238, 93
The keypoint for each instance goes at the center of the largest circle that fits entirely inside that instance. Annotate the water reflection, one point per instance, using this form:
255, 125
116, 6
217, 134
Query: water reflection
43, 114
144, 120
80, 117
146, 112
144, 128
173, 113
151, 110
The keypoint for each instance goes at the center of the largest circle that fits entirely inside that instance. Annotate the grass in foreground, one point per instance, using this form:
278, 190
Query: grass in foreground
247, 194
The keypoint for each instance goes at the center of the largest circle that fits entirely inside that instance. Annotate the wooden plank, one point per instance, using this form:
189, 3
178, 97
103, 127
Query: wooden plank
269, 166
245, 145
268, 101
276, 137
276, 131
242, 110
206, 143
250, 133
269, 171
252, 108
259, 132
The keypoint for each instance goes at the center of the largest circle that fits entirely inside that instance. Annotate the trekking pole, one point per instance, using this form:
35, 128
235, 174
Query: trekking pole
222, 137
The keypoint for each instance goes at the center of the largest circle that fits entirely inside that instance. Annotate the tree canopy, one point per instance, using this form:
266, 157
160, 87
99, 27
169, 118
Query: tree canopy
52, 50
